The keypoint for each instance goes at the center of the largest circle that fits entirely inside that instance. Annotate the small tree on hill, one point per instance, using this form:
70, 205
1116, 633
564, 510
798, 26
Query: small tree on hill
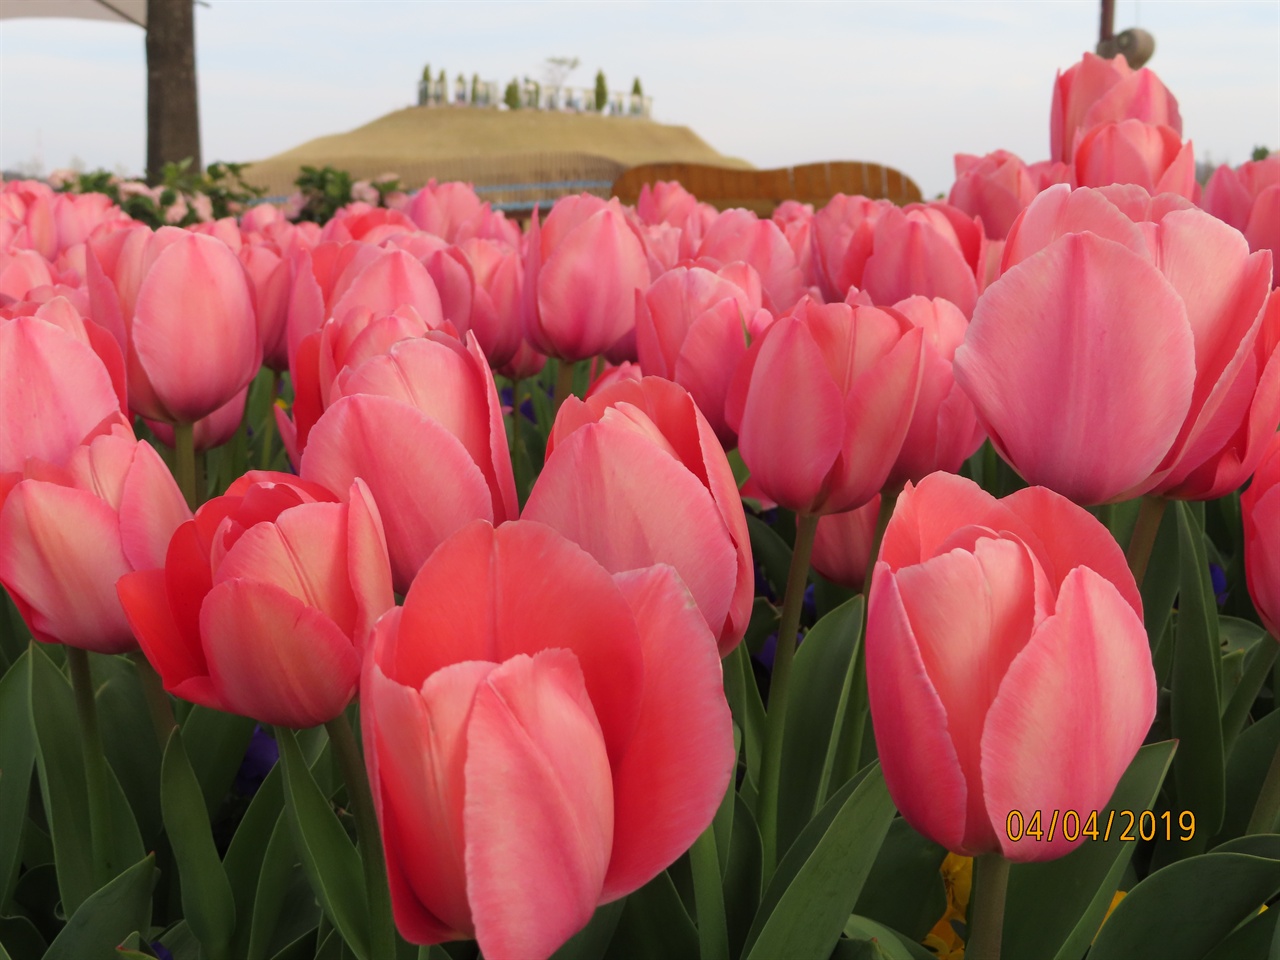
512, 95
426, 73
475, 88
602, 91
636, 89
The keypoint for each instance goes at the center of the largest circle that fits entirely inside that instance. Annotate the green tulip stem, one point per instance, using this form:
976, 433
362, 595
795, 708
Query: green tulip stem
382, 927
158, 704
844, 753
1150, 513
517, 444
564, 384
784, 654
95, 764
708, 896
986, 913
269, 428
184, 467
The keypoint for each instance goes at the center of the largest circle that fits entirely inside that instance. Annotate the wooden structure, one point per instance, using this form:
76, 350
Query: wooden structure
762, 190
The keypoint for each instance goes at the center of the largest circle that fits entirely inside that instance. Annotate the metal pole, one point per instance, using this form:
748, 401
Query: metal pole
1106, 29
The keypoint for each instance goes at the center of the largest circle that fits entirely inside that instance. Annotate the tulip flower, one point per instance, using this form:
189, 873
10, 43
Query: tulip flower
1097, 91
607, 456
264, 600
692, 326
1136, 327
1248, 198
1005, 646
67, 533
822, 402
541, 737
496, 317
422, 425
994, 188
843, 542
739, 235
1146, 154
1260, 510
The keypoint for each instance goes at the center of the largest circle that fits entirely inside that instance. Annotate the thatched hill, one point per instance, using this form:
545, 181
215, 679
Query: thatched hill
492, 147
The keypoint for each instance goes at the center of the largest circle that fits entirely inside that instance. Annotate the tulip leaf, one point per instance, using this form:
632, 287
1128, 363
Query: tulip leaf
1258, 661
330, 859
273, 925
246, 857
17, 760
60, 763
108, 916
867, 938
805, 917
1199, 769
654, 923
1253, 939
819, 681
207, 900
1170, 906
1053, 908
771, 552
216, 743
1159, 586
20, 938
747, 707
1247, 767
904, 889
592, 941
130, 741
743, 879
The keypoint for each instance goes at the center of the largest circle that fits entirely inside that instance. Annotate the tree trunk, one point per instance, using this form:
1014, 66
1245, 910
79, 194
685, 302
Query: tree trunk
173, 116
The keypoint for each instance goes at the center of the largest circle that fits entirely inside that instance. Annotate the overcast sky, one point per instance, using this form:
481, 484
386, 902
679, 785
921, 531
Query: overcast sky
907, 84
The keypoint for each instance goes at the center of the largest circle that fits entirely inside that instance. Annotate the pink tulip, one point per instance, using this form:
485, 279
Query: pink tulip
944, 429
822, 403
263, 602
739, 235
842, 544
929, 250
605, 459
443, 208
1097, 91
55, 392
841, 240
541, 737
692, 326
68, 533
1035, 699
181, 306
583, 268
1248, 198
1162, 306
422, 425
1151, 156
994, 188
1260, 510
604, 375
211, 431
496, 316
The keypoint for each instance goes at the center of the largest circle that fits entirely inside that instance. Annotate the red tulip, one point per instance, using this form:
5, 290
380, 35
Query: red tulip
1007, 665
1162, 306
541, 737
1097, 91
1260, 510
67, 533
822, 402
422, 425
606, 459
264, 600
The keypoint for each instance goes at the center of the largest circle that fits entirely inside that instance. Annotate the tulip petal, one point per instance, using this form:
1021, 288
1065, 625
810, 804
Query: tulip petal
275, 659
1081, 334
151, 509
670, 781
539, 802
1071, 712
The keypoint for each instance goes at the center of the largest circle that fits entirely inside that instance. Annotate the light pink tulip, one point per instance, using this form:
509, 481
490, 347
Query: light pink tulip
422, 425
842, 544
739, 235
1135, 325
1097, 91
1035, 699
1248, 198
541, 737
929, 250
263, 602
994, 188
822, 403
607, 457
1129, 151
68, 533
1260, 511
496, 317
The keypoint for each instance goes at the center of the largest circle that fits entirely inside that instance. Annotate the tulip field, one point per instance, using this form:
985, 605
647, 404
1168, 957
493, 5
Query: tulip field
654, 582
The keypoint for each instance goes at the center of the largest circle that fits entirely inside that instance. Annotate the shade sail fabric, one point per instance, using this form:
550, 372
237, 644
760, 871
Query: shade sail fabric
117, 11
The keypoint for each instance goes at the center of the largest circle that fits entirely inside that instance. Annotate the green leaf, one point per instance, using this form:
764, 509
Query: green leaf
654, 923
216, 743
1199, 769
284, 906
130, 741
743, 878
20, 938
878, 940
245, 859
810, 912
330, 859
1251, 940
771, 552
591, 942
108, 916
1160, 585
17, 760
1246, 769
819, 675
747, 707
1054, 908
1171, 912
207, 901
1259, 658
60, 762
904, 889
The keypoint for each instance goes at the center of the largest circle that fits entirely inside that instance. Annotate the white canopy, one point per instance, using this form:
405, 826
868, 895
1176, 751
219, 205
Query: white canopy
117, 11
